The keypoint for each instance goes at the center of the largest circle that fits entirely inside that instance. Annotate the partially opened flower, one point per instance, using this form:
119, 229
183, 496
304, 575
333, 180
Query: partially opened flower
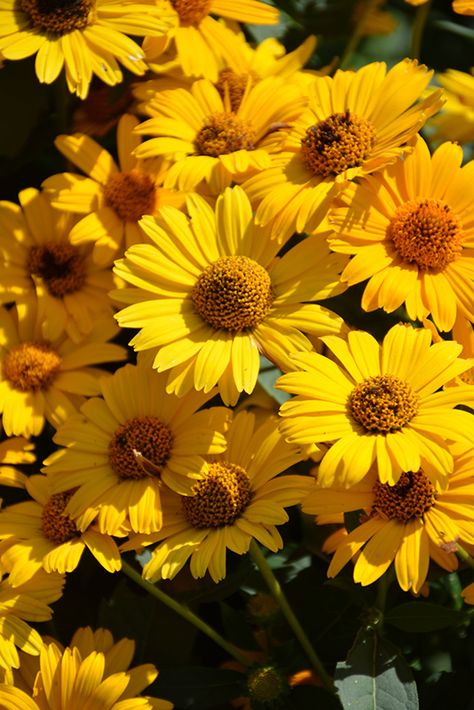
410, 230
44, 379
241, 498
127, 444
113, 197
210, 295
38, 262
84, 37
408, 523
379, 404
356, 124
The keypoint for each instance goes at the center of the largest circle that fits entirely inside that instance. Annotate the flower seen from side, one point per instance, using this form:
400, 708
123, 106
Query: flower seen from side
456, 121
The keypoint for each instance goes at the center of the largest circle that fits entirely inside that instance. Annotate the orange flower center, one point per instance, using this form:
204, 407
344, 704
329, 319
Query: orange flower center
233, 293
191, 12
232, 84
224, 133
219, 498
31, 366
426, 233
336, 144
57, 526
383, 404
61, 266
140, 448
411, 497
59, 17
131, 195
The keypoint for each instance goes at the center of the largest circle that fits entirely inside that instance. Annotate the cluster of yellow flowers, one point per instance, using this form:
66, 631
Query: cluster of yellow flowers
189, 239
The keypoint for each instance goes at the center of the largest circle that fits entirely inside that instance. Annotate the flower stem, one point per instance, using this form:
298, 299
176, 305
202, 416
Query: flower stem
464, 556
185, 612
357, 33
277, 592
422, 13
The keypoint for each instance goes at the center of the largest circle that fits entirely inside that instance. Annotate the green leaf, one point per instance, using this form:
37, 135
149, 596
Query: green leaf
420, 617
375, 677
198, 687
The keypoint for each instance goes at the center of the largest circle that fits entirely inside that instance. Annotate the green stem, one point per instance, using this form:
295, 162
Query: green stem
422, 13
464, 556
277, 592
185, 613
357, 33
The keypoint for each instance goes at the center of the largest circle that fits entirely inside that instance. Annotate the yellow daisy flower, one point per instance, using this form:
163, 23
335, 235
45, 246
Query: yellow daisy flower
48, 379
85, 37
45, 537
379, 404
39, 262
241, 498
456, 120
27, 602
113, 197
127, 444
410, 231
407, 523
356, 123
210, 296
200, 40
209, 140
91, 672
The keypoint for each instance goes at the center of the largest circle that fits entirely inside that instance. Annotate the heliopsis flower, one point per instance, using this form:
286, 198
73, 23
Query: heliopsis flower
15, 450
91, 672
18, 605
48, 379
209, 139
38, 262
456, 120
356, 123
241, 498
112, 197
410, 230
200, 40
43, 536
210, 296
127, 445
407, 523
379, 404
85, 37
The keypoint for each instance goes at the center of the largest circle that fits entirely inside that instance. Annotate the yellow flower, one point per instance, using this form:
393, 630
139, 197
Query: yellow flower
85, 37
468, 594
39, 262
127, 444
456, 121
407, 523
48, 379
464, 7
43, 536
356, 124
410, 230
113, 198
27, 602
212, 140
241, 498
92, 672
200, 40
379, 404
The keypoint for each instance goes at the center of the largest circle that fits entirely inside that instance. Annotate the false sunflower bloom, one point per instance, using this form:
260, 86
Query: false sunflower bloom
210, 296
85, 37
38, 262
48, 379
456, 120
200, 40
209, 140
410, 230
379, 404
241, 498
130, 442
356, 124
113, 197
43, 536
92, 672
407, 523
